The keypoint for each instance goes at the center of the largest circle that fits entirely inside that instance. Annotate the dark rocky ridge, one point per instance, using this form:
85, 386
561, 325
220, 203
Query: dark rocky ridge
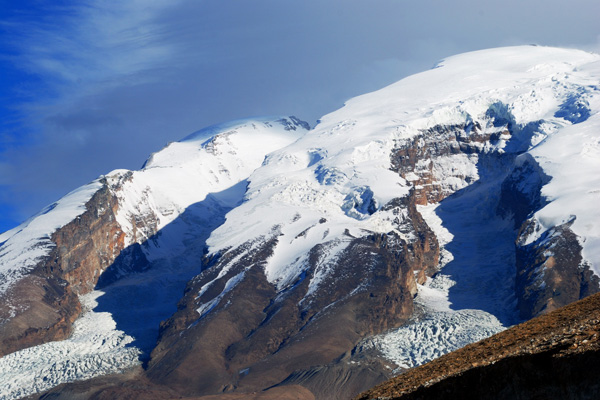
551, 272
255, 338
554, 356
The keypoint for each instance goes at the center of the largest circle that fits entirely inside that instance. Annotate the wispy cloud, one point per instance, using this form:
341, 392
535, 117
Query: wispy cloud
90, 42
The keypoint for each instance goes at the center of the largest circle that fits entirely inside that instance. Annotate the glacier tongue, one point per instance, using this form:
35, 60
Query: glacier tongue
472, 297
95, 348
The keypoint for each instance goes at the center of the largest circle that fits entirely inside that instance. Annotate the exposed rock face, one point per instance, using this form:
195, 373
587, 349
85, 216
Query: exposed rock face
88, 245
44, 303
554, 356
42, 306
37, 309
418, 159
550, 270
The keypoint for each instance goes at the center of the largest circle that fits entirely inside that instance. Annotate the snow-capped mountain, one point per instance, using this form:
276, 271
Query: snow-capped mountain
414, 220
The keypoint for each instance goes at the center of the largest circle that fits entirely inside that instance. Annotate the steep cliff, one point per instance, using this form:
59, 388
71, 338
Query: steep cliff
42, 305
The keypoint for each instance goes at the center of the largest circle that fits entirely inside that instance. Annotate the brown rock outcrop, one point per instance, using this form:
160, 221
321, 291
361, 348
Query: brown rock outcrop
42, 306
551, 272
414, 159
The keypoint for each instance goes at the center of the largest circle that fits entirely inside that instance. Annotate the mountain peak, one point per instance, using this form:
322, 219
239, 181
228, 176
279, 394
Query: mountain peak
245, 135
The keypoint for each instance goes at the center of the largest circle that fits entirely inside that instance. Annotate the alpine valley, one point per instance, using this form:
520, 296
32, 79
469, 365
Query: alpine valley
263, 259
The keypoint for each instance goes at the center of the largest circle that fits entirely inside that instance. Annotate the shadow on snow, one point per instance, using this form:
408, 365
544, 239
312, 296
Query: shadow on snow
142, 287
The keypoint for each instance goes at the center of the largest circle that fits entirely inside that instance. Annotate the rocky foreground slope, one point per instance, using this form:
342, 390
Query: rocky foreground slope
554, 356
263, 257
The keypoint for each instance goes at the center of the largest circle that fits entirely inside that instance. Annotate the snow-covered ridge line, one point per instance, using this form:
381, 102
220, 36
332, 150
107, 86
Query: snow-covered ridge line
208, 162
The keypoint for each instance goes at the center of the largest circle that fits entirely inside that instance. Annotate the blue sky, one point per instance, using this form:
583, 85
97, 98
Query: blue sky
92, 86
